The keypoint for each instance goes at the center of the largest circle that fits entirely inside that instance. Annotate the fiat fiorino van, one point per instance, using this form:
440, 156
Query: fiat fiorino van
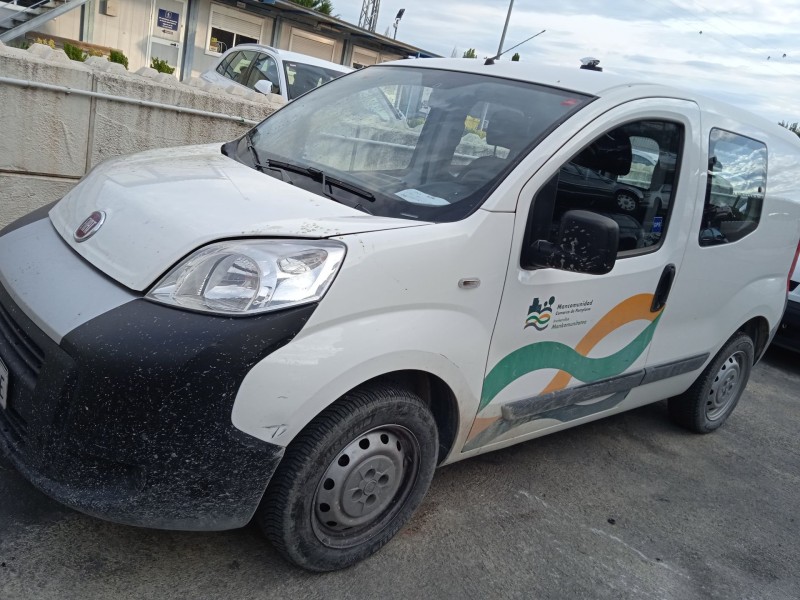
300, 325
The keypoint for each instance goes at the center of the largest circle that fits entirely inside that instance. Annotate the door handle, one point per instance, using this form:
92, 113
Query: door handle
663, 288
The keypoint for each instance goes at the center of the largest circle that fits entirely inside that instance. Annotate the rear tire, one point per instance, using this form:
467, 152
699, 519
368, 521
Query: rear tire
706, 405
351, 479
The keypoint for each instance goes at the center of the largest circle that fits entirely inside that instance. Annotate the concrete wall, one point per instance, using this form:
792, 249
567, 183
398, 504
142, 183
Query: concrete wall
51, 138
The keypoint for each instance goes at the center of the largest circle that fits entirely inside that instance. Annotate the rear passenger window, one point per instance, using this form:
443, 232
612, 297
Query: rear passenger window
629, 175
737, 180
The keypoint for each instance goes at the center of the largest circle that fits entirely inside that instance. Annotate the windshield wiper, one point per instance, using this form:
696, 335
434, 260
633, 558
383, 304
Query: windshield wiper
333, 181
315, 174
251, 147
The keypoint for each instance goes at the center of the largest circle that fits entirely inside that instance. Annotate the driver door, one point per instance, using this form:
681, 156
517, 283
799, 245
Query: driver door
569, 347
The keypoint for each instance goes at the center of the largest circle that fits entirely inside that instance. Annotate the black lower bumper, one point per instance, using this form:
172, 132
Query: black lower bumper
129, 417
788, 335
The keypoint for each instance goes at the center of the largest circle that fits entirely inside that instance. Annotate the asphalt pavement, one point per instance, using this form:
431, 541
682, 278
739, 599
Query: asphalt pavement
626, 507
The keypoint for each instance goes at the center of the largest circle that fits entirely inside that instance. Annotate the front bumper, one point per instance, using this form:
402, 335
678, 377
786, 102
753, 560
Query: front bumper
128, 418
788, 335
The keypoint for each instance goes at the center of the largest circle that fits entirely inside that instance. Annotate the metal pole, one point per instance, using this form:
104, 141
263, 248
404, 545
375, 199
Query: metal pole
505, 27
35, 85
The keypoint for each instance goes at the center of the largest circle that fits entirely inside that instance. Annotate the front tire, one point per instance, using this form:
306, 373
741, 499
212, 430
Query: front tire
351, 479
627, 202
706, 405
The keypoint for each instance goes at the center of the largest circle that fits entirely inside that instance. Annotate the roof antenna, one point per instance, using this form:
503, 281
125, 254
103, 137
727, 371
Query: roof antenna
490, 61
591, 64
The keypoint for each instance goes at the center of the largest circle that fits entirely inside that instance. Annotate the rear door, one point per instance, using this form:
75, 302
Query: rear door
569, 347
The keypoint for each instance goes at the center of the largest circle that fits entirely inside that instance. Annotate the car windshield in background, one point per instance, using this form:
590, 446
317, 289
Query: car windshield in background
302, 78
411, 142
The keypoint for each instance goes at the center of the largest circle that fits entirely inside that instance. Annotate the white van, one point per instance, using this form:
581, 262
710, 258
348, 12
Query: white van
302, 324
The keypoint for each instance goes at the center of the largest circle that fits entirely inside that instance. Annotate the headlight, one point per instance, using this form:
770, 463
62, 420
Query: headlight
247, 277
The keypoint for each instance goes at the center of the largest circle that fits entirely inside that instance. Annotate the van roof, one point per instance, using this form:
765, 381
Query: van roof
595, 83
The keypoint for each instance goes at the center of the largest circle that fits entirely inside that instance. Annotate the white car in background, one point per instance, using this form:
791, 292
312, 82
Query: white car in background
788, 335
270, 70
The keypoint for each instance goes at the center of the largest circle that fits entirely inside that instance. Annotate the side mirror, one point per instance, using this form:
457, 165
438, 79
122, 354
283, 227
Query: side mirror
587, 243
265, 86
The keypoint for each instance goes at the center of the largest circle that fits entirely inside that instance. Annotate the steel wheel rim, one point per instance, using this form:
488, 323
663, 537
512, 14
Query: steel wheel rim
626, 202
726, 386
365, 486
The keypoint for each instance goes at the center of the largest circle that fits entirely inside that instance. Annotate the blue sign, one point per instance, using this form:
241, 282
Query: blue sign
168, 20
657, 224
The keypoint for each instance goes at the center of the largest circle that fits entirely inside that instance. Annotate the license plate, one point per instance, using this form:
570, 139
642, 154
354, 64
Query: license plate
3, 384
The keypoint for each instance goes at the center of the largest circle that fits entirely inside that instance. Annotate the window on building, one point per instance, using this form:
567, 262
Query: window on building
312, 45
737, 180
362, 57
229, 28
629, 175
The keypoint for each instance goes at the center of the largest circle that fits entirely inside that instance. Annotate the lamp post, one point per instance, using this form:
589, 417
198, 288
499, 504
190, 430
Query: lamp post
397, 20
505, 28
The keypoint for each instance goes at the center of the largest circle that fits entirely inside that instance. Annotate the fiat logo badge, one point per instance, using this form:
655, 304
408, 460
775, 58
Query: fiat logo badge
90, 226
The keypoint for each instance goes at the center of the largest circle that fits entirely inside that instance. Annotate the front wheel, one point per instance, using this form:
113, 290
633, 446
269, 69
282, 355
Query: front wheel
351, 479
627, 201
706, 405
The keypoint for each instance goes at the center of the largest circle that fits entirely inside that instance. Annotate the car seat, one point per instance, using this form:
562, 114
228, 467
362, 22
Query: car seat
508, 129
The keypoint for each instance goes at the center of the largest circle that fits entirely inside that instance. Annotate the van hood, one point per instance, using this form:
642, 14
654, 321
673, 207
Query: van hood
161, 205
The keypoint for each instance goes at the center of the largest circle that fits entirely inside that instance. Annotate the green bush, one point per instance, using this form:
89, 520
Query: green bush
117, 56
161, 66
74, 53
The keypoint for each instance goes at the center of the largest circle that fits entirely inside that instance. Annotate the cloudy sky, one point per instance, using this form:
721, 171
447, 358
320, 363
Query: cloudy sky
717, 48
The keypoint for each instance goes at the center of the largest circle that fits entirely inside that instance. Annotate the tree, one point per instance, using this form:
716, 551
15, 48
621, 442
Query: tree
471, 53
515, 58
323, 6
794, 127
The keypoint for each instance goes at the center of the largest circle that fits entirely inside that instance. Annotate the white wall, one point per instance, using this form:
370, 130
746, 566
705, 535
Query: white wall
128, 32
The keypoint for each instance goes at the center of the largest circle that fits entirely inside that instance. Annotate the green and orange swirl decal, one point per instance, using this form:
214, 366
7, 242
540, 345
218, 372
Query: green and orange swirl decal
574, 362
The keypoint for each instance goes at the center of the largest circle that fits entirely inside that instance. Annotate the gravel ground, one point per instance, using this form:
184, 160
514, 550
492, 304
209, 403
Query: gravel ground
627, 507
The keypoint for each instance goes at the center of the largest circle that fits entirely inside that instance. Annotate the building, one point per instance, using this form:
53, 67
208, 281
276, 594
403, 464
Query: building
191, 34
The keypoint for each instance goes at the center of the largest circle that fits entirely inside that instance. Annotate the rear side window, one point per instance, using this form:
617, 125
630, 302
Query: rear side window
737, 181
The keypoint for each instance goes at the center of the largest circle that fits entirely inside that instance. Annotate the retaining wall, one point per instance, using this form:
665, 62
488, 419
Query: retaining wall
50, 138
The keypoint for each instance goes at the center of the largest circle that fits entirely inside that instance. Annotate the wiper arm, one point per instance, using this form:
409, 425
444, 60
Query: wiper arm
315, 174
345, 185
285, 166
251, 147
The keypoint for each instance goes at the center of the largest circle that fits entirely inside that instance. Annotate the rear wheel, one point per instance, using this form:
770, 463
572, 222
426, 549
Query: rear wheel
706, 405
351, 479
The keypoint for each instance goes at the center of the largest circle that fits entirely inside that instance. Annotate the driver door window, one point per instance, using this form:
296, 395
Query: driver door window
265, 68
628, 175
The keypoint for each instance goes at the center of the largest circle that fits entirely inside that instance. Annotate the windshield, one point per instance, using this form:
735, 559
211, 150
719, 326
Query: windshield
413, 143
302, 78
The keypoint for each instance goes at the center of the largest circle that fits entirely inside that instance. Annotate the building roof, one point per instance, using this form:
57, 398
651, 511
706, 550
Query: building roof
331, 24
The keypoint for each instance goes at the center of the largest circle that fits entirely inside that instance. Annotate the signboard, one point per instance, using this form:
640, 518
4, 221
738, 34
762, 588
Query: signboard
658, 223
167, 22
